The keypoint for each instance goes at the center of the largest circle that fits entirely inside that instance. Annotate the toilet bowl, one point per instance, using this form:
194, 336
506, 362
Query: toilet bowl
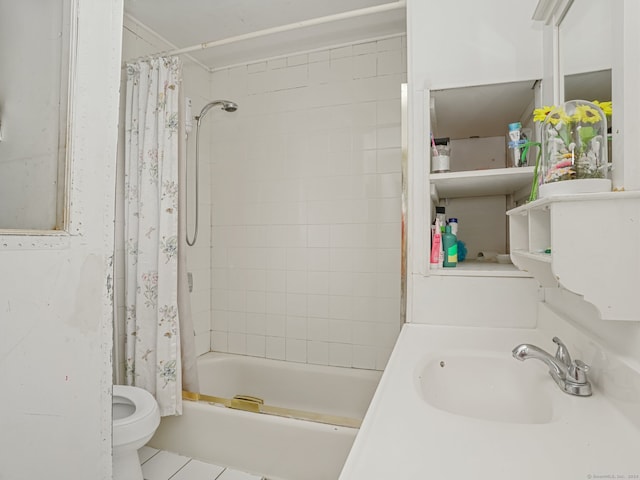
135, 419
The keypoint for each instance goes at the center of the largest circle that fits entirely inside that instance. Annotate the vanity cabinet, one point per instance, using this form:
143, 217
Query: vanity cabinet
587, 243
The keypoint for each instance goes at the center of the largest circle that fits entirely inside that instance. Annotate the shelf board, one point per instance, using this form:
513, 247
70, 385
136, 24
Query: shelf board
544, 203
540, 257
479, 183
538, 264
471, 268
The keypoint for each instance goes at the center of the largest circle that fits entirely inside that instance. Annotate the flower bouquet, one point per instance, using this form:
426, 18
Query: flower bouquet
574, 147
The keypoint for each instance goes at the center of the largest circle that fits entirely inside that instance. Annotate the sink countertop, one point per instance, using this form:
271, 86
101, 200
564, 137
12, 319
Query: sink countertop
403, 437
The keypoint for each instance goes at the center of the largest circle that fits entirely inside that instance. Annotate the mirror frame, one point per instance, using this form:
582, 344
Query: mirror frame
551, 13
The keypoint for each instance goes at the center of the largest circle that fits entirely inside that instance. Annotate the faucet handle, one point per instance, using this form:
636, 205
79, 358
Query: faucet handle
562, 353
578, 371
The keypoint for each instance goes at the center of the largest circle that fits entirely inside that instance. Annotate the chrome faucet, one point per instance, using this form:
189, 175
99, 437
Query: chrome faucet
571, 376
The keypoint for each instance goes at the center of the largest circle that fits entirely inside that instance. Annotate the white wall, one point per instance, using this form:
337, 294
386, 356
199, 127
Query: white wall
472, 43
30, 104
138, 41
478, 153
454, 44
55, 345
621, 337
306, 206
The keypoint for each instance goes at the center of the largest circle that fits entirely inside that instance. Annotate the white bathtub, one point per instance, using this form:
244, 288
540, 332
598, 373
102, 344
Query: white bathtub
276, 447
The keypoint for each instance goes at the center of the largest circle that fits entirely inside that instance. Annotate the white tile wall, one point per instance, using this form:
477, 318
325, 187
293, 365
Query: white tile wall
305, 206
302, 258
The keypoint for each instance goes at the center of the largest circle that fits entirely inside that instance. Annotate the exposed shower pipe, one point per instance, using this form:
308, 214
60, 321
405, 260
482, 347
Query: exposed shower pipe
227, 106
291, 26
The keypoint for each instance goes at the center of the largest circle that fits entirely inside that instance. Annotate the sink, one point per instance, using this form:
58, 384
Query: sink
493, 388
451, 397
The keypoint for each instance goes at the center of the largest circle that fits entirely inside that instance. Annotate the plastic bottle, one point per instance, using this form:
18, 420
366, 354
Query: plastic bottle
436, 247
450, 247
454, 225
440, 215
516, 141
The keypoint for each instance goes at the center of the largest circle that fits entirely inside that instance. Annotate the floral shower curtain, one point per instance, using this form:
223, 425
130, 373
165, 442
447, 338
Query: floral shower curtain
153, 353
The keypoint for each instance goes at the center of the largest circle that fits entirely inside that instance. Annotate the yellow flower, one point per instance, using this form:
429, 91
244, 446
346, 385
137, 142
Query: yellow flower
586, 114
539, 114
558, 115
606, 107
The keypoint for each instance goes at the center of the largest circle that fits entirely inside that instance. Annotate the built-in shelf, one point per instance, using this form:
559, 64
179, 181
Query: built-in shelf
471, 268
586, 253
536, 256
478, 183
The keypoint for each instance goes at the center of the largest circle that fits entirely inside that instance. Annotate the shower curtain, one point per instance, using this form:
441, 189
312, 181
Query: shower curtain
153, 325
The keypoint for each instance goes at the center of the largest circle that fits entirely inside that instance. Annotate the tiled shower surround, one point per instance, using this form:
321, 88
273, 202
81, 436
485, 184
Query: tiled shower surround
305, 206
298, 255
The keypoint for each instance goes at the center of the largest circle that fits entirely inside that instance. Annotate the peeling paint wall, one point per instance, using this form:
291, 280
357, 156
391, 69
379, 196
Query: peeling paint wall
55, 291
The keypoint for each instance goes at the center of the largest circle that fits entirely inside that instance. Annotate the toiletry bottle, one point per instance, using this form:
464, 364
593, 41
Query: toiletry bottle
450, 246
454, 225
515, 142
440, 215
436, 247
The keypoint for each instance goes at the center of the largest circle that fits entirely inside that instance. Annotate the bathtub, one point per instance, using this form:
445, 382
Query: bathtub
277, 447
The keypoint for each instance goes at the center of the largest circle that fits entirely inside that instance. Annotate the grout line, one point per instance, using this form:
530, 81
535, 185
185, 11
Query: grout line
176, 472
157, 452
220, 474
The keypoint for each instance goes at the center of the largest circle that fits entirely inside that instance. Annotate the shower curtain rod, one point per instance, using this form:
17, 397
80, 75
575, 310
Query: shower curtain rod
291, 26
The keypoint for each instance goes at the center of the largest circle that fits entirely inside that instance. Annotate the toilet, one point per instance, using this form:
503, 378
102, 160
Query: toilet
135, 419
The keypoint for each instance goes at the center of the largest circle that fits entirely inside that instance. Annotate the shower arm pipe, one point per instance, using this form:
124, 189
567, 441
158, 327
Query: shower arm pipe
192, 242
227, 106
291, 26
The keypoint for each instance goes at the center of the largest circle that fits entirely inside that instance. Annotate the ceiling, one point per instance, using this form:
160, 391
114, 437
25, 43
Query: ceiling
186, 23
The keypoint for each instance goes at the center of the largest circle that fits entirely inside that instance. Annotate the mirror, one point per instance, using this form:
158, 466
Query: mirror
34, 88
586, 48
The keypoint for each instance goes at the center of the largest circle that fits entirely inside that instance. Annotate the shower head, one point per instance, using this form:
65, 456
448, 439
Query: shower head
229, 106
225, 105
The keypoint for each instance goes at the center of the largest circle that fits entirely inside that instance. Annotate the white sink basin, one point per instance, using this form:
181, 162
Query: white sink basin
483, 414
493, 388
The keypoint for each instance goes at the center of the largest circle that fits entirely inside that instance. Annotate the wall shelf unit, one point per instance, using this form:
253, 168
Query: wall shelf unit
585, 251
481, 186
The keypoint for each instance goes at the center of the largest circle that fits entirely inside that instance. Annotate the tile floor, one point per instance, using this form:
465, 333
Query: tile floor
162, 465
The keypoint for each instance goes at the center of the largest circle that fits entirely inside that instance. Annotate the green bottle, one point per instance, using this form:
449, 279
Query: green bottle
450, 247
